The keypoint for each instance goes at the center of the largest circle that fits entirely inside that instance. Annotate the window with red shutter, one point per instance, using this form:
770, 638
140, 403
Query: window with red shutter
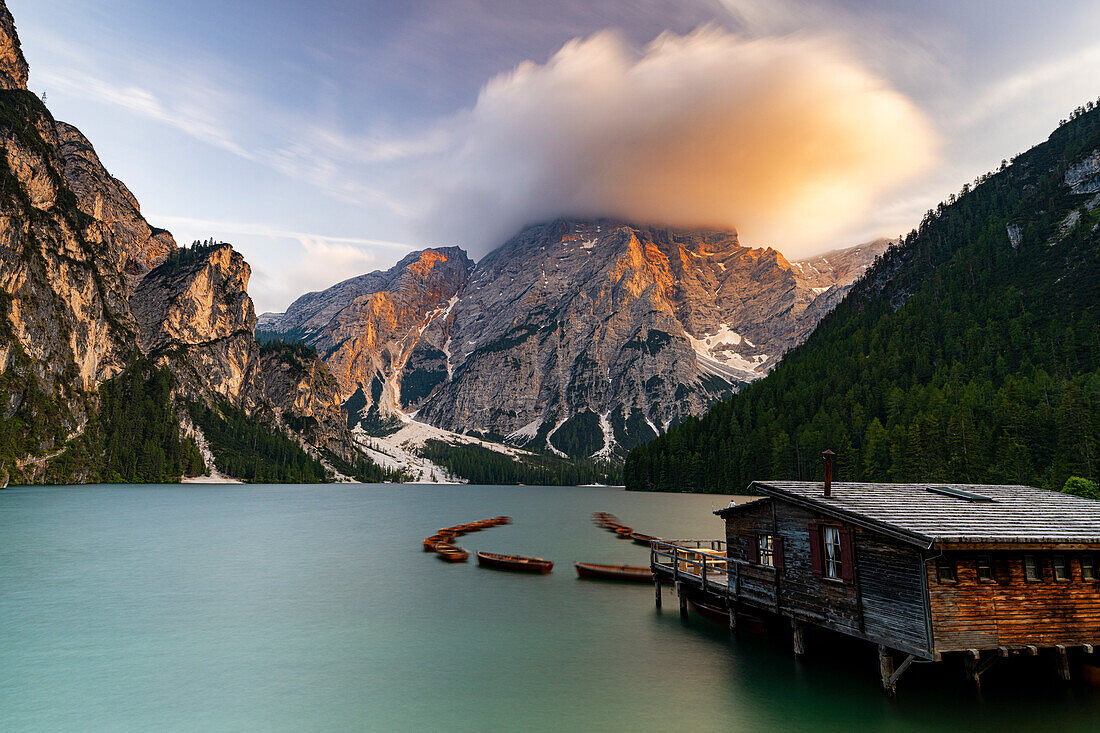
754, 550
777, 552
815, 550
847, 557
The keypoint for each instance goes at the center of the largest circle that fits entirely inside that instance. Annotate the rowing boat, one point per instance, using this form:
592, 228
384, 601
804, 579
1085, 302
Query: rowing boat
628, 573
450, 553
521, 563
643, 539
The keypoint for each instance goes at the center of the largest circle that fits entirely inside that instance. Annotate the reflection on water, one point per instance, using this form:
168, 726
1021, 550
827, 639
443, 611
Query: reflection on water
314, 608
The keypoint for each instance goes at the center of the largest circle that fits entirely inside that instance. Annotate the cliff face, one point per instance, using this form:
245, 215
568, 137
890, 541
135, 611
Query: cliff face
68, 328
13, 67
368, 328
303, 391
134, 246
197, 319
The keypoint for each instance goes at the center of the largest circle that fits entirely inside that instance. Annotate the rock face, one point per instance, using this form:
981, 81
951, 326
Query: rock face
197, 319
299, 386
368, 328
578, 337
64, 299
132, 244
13, 67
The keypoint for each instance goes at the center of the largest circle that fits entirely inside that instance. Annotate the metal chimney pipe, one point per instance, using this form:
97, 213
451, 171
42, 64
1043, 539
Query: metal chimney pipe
828, 456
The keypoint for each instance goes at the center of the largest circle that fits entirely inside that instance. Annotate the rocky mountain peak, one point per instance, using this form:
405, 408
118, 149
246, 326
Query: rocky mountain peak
13, 66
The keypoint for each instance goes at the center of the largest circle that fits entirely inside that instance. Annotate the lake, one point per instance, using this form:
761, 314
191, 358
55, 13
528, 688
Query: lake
300, 608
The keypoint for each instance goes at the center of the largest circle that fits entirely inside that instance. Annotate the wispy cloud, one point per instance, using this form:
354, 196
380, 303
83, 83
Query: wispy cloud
1082, 66
268, 230
305, 151
185, 118
318, 261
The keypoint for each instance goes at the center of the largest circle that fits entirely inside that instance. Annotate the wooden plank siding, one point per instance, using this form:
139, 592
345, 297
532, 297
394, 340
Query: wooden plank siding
886, 602
1012, 611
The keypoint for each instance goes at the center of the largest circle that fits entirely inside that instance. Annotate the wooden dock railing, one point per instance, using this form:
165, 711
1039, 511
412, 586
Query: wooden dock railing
705, 563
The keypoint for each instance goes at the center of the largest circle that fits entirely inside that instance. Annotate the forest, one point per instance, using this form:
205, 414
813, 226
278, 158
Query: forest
480, 465
252, 450
968, 353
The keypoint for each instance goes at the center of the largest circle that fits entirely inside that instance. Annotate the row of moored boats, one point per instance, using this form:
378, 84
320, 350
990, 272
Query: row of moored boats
442, 543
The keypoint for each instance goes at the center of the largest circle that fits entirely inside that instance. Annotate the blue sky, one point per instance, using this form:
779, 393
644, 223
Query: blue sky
328, 138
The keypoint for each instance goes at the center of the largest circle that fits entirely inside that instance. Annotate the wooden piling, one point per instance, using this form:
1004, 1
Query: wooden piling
657, 591
798, 639
683, 600
1061, 662
886, 671
972, 669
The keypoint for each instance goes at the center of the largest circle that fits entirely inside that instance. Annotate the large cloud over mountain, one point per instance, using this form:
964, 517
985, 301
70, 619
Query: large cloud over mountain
786, 139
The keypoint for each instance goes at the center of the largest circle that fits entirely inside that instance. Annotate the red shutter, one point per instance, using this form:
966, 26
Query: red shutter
777, 549
847, 557
754, 549
815, 550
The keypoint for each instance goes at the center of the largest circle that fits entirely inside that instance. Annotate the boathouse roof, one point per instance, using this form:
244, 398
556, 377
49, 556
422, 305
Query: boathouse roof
926, 514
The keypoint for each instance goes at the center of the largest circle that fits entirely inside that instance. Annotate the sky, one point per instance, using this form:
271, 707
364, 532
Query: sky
330, 138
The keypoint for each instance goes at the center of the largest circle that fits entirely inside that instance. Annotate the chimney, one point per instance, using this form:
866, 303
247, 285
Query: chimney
828, 456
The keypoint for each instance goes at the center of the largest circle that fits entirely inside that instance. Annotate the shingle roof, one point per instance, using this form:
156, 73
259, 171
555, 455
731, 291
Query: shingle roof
928, 513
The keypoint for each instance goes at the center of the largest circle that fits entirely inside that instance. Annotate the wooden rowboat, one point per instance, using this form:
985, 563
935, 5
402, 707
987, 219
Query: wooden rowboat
628, 573
450, 553
624, 533
521, 563
643, 539
441, 538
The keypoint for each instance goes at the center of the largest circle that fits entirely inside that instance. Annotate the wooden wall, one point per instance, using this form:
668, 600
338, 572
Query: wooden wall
886, 602
1013, 611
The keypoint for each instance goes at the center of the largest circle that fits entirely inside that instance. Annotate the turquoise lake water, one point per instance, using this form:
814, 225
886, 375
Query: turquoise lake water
301, 608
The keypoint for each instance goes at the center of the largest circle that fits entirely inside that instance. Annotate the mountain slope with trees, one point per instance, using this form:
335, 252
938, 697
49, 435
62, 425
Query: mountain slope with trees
967, 353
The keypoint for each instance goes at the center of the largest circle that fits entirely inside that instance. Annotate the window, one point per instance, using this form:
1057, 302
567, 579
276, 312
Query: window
830, 537
945, 570
1032, 571
985, 569
1088, 567
766, 550
1061, 570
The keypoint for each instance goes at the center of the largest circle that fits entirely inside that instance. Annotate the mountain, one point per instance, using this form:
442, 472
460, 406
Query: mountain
580, 338
970, 353
122, 356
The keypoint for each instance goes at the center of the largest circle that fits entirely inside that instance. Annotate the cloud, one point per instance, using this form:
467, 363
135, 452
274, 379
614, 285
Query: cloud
211, 111
787, 139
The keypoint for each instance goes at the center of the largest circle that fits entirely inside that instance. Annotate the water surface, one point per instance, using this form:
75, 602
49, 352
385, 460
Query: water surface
294, 608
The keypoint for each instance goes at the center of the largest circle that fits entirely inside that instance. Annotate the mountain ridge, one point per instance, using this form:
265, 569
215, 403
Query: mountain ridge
512, 353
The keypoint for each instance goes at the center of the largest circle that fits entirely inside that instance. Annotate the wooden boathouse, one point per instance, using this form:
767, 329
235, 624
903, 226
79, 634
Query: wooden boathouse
920, 570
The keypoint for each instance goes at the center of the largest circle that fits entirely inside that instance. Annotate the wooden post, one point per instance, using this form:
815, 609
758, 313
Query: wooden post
886, 671
657, 590
798, 641
683, 600
972, 671
1061, 662
733, 620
